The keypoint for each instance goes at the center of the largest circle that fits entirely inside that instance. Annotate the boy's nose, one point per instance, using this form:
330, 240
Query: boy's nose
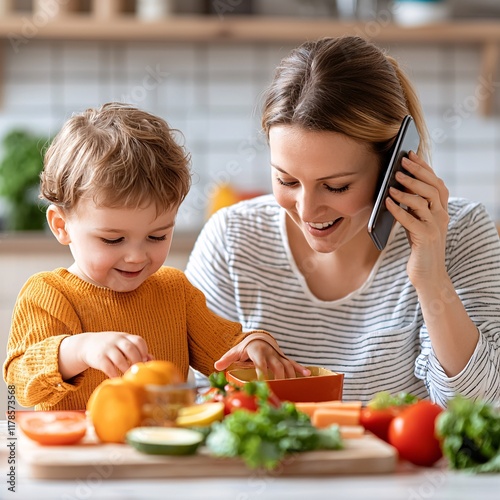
136, 254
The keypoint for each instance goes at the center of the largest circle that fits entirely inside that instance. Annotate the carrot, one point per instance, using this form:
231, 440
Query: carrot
324, 417
341, 405
310, 408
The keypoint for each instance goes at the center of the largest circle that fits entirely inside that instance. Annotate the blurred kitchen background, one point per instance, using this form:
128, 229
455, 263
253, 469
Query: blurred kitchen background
209, 87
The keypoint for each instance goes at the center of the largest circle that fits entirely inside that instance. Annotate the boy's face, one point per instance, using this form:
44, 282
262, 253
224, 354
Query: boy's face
117, 248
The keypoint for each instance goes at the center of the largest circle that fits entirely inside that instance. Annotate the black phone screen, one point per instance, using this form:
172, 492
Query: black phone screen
381, 220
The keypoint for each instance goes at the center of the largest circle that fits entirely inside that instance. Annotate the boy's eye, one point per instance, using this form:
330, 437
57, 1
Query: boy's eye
158, 238
111, 242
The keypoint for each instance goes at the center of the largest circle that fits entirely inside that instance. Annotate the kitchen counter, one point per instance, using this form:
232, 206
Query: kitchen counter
408, 482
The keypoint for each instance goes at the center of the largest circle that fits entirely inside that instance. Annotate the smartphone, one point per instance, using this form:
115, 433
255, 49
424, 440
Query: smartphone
381, 220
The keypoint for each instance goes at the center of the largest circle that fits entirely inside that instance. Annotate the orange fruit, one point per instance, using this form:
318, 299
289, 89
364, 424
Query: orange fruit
156, 372
114, 408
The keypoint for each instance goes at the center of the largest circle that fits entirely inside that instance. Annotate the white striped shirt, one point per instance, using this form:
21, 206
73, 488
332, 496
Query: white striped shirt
375, 335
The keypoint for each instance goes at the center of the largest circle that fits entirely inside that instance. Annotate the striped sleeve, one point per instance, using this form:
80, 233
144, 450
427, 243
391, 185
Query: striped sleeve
474, 267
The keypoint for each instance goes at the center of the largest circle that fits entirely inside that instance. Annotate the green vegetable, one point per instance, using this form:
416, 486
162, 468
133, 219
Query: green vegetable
471, 435
264, 437
20, 167
259, 389
218, 380
385, 399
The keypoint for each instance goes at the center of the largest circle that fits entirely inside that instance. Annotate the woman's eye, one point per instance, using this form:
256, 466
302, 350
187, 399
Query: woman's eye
111, 242
283, 183
337, 190
158, 238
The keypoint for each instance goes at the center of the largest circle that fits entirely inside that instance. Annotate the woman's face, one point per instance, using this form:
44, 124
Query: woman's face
326, 183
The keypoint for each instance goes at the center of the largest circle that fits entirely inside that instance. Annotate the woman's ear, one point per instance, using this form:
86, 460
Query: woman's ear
56, 219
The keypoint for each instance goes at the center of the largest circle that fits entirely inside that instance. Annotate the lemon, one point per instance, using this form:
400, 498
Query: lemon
200, 415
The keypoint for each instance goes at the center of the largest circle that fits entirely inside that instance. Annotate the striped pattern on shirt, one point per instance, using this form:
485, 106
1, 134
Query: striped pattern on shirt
375, 335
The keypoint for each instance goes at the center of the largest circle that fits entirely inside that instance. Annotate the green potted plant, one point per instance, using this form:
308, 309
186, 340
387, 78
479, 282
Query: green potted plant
20, 167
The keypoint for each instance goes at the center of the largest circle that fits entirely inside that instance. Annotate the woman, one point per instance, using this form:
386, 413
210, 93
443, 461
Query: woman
423, 315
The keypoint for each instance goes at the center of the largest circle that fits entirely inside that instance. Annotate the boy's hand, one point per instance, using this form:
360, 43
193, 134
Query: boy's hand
111, 352
268, 362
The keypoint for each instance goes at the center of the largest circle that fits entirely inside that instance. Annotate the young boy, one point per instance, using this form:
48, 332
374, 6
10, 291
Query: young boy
114, 178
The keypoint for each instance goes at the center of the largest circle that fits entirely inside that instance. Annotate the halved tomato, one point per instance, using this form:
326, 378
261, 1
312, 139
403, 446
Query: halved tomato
53, 427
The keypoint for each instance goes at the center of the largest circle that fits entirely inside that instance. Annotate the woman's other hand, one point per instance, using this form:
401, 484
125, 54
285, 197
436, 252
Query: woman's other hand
268, 362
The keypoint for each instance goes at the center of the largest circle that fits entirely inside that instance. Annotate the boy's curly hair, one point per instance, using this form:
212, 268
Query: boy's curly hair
118, 156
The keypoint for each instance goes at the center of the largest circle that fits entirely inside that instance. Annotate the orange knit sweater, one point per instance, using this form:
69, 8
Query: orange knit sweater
166, 310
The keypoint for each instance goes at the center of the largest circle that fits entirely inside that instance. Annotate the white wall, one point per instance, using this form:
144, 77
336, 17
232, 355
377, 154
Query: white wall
211, 93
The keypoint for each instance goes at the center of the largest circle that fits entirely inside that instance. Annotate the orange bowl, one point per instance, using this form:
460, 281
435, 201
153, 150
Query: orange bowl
321, 385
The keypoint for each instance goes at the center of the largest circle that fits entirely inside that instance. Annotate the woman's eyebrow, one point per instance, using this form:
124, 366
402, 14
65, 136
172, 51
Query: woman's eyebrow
333, 176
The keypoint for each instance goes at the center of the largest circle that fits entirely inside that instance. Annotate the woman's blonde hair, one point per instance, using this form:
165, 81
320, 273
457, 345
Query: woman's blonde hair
118, 156
345, 85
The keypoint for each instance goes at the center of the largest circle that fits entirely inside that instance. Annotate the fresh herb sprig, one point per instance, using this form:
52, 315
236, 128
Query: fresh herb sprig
470, 431
384, 399
263, 438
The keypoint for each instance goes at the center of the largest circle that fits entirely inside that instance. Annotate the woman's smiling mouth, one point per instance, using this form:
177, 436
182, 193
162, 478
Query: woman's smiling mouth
322, 226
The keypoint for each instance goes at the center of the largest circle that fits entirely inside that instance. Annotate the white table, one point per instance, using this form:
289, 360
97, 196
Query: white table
407, 483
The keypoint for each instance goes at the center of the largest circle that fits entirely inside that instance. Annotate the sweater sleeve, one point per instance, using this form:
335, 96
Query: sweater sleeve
208, 267
474, 267
42, 318
209, 335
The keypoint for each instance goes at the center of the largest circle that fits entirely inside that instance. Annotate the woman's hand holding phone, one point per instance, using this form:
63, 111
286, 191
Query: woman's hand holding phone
425, 220
381, 220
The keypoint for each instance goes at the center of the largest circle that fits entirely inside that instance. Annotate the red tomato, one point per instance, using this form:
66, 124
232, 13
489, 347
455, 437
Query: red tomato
54, 427
412, 433
239, 400
378, 421
213, 394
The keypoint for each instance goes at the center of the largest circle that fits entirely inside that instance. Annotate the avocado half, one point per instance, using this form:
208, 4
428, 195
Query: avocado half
164, 440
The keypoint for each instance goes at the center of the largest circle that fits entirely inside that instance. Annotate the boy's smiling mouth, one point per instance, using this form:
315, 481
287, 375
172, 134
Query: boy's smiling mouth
130, 274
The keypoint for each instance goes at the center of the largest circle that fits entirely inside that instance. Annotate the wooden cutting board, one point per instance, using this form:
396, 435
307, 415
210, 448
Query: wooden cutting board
367, 455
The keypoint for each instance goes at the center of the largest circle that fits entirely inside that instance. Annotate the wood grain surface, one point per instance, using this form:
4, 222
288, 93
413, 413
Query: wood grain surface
367, 455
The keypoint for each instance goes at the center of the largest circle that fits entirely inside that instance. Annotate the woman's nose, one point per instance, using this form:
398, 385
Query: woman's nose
307, 204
